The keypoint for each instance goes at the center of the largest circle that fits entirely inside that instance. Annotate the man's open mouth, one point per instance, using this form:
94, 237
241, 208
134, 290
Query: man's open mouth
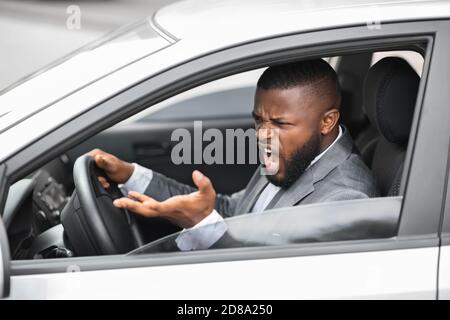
265, 149
269, 157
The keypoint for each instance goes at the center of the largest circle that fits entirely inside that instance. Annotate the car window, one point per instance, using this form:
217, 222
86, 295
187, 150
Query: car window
227, 97
236, 102
372, 218
374, 215
322, 222
224, 98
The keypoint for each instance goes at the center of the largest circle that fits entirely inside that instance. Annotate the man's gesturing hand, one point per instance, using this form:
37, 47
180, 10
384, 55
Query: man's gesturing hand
117, 170
183, 210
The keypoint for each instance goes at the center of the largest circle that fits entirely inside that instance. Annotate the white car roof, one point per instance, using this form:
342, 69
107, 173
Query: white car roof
253, 19
188, 28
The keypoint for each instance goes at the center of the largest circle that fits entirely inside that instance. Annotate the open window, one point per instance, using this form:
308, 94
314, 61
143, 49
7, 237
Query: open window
380, 123
33, 210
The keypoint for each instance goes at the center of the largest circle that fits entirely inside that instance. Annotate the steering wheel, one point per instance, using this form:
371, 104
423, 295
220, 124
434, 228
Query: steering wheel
94, 226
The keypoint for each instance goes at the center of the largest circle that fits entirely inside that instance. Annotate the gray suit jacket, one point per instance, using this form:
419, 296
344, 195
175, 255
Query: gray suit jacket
339, 175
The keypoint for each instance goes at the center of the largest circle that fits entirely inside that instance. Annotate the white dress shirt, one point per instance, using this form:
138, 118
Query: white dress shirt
205, 233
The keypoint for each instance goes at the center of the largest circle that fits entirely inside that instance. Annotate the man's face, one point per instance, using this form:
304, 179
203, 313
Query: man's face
296, 116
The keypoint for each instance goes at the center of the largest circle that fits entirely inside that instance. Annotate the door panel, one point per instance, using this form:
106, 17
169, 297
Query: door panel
392, 274
444, 257
444, 273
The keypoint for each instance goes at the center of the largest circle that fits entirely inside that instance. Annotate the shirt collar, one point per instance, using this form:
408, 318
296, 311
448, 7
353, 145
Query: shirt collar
329, 147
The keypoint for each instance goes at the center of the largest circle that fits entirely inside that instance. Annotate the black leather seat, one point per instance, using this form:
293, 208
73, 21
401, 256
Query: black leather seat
390, 91
351, 73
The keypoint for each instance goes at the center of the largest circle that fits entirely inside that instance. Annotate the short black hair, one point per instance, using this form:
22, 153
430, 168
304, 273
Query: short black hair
299, 73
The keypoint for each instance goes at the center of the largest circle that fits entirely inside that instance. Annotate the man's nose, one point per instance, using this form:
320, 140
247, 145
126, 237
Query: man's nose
264, 133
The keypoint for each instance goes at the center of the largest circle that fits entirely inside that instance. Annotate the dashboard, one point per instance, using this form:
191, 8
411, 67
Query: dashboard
34, 209
32, 214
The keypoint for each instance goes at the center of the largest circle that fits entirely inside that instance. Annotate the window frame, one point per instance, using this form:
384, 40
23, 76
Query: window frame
5, 257
220, 64
445, 230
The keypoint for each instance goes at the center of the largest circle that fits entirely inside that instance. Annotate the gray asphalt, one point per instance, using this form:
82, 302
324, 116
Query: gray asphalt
33, 33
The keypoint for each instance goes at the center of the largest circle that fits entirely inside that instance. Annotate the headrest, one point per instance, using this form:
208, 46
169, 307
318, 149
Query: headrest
390, 91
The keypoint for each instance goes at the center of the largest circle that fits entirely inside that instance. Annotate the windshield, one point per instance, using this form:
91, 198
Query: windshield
79, 69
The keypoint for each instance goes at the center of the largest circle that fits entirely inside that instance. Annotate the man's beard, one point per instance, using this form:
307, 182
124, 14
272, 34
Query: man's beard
296, 165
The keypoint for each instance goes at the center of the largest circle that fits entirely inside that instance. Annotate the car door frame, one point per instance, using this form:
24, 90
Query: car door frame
444, 249
415, 231
5, 258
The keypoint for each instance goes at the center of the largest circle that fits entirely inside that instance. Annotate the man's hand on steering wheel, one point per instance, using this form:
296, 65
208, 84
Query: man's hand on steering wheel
117, 170
183, 210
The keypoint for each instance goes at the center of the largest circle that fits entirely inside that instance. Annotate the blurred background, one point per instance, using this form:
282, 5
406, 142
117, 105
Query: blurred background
34, 33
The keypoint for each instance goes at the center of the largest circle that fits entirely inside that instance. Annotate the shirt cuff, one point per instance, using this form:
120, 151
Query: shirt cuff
138, 181
204, 234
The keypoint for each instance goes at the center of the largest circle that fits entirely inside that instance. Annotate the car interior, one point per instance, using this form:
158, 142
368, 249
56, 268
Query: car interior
379, 91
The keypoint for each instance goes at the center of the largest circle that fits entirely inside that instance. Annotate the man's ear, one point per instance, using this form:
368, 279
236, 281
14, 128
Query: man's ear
329, 121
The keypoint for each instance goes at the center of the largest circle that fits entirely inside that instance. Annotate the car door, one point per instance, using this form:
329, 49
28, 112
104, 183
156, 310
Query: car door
444, 255
401, 266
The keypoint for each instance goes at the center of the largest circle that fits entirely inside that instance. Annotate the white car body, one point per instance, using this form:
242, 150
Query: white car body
188, 30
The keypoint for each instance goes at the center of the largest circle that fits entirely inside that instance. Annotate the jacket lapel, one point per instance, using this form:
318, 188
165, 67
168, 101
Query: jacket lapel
299, 190
333, 157
254, 188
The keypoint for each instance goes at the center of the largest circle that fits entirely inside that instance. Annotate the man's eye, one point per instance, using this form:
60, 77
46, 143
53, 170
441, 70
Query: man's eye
279, 123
